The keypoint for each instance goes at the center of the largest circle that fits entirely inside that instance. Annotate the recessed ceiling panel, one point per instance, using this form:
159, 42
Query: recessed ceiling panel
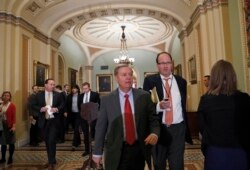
139, 31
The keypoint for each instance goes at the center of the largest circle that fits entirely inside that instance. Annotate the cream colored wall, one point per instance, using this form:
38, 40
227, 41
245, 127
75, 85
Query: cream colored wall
11, 74
239, 44
12, 64
208, 39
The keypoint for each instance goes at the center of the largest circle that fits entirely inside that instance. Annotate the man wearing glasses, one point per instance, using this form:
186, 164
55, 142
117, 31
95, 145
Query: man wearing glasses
171, 91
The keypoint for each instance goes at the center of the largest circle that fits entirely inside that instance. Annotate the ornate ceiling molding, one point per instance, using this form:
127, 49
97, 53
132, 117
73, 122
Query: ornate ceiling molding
86, 17
35, 7
106, 31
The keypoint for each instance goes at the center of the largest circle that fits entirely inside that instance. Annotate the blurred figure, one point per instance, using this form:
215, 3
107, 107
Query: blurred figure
206, 79
73, 113
35, 135
49, 104
224, 121
88, 96
126, 126
66, 89
61, 123
67, 121
7, 127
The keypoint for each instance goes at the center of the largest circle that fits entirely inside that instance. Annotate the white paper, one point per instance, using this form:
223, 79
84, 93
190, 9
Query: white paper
49, 111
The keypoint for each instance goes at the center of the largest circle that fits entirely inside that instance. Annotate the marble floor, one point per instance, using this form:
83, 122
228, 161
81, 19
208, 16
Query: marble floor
33, 158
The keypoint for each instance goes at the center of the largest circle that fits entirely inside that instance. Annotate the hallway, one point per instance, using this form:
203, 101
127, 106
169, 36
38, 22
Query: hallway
33, 158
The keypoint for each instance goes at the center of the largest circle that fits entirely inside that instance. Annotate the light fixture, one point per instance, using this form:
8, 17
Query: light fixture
124, 58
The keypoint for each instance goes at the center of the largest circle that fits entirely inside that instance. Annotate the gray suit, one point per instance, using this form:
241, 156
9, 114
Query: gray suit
109, 127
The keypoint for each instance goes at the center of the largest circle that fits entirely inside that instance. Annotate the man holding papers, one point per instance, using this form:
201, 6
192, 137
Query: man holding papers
48, 104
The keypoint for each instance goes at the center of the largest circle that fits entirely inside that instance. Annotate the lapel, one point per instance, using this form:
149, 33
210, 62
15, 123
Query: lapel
43, 99
54, 98
91, 97
136, 106
180, 86
158, 86
116, 109
116, 102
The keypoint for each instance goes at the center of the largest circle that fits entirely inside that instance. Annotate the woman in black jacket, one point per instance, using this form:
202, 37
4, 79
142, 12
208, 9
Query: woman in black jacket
224, 119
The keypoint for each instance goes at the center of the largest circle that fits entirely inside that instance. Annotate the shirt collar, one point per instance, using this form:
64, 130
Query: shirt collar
122, 93
170, 76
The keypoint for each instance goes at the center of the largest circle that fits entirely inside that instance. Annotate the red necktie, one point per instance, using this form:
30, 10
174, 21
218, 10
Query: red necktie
129, 122
169, 111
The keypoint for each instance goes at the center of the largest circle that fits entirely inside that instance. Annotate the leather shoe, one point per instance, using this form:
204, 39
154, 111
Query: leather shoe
85, 153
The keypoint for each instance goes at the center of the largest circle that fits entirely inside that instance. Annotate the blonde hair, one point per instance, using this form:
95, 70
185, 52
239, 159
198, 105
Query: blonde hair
223, 79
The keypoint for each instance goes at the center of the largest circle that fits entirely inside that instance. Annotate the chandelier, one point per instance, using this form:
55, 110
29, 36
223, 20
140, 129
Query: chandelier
124, 58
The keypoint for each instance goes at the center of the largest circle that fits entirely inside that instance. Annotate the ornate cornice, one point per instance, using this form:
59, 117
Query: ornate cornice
18, 21
202, 9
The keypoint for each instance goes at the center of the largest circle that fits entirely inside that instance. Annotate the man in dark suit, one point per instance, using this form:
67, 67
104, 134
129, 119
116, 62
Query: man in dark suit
67, 120
34, 129
88, 96
49, 104
171, 144
112, 126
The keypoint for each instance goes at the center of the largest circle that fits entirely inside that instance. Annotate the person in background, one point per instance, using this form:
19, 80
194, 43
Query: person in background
66, 89
7, 127
61, 123
73, 112
127, 125
35, 135
171, 108
88, 96
224, 121
1, 101
206, 79
67, 121
49, 104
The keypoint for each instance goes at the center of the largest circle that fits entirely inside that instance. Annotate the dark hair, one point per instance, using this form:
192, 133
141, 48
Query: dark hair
5, 93
47, 80
164, 52
223, 79
59, 87
65, 85
75, 87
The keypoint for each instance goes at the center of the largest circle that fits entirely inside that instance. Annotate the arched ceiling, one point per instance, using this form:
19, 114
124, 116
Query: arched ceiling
97, 22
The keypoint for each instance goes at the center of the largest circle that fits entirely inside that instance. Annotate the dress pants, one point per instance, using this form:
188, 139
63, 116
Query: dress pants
77, 126
34, 132
173, 150
85, 129
132, 157
50, 139
61, 128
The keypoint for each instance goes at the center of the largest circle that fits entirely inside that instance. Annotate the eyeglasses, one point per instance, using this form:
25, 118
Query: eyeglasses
165, 63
